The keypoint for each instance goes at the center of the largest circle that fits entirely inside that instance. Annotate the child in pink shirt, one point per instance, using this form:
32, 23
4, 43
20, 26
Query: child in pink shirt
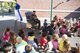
55, 42
6, 34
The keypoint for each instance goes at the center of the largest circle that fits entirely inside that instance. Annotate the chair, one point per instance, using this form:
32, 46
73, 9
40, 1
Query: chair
29, 20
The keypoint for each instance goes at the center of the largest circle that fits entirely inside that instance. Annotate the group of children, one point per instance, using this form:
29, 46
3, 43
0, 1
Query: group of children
54, 38
62, 26
17, 43
22, 44
54, 43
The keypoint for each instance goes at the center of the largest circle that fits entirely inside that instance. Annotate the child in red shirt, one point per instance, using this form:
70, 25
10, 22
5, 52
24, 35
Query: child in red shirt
43, 40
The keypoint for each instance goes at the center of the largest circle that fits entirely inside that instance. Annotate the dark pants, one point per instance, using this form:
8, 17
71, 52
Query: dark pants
54, 50
36, 41
37, 22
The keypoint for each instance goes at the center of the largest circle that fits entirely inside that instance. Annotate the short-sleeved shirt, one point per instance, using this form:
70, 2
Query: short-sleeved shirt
61, 45
43, 42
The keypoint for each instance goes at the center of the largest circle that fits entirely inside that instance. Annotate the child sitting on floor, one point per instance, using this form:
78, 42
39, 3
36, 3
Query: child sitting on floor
43, 41
49, 46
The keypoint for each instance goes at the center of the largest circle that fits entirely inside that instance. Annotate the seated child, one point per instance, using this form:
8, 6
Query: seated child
49, 44
55, 42
29, 49
43, 40
31, 38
